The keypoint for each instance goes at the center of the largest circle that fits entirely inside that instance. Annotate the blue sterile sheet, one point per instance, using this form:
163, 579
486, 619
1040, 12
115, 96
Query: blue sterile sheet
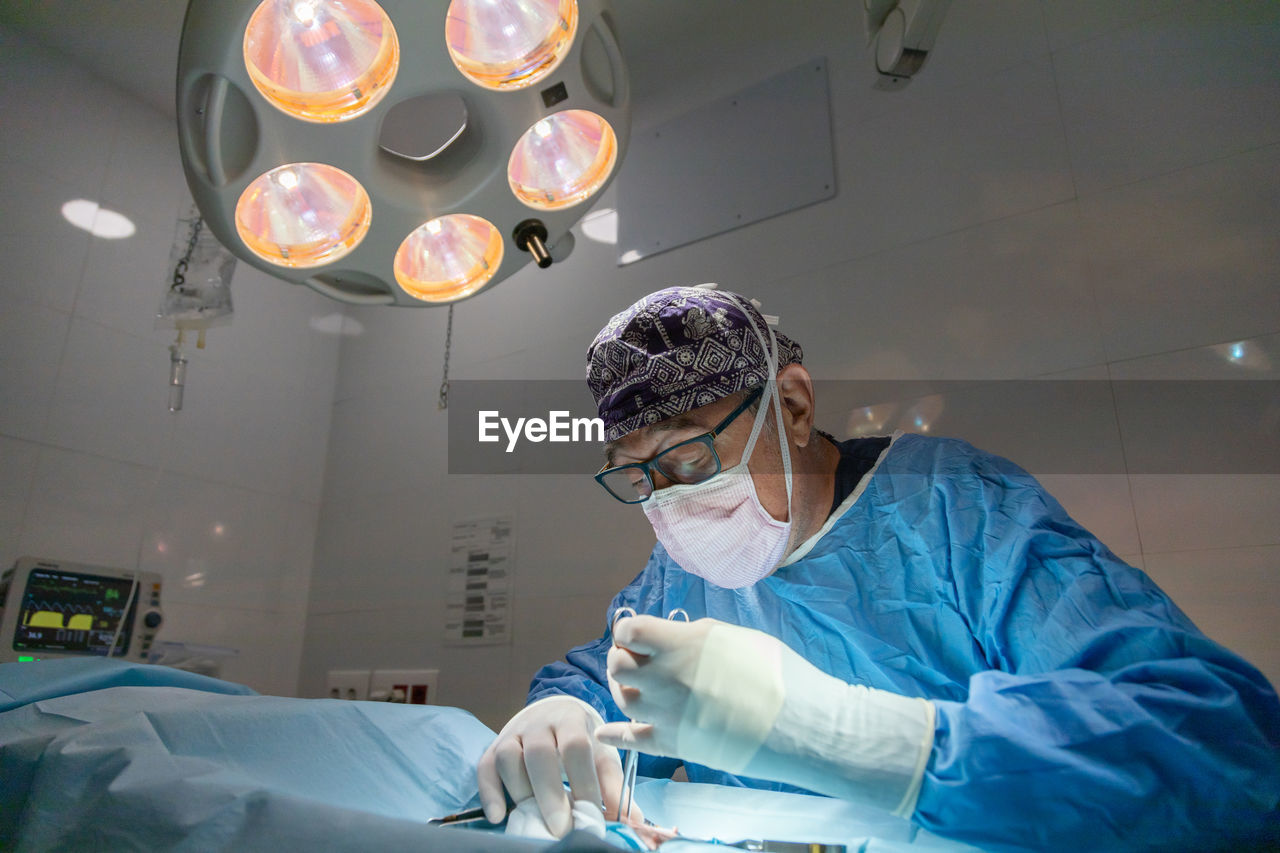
99, 755
104, 755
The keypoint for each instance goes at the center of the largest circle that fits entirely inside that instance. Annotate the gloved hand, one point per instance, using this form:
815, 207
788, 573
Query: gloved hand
537, 749
743, 702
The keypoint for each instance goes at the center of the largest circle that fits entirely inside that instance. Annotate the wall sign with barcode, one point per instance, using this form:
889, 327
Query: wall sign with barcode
478, 609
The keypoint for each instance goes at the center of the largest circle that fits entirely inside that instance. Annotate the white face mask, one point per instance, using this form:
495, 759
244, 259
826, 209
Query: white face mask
718, 529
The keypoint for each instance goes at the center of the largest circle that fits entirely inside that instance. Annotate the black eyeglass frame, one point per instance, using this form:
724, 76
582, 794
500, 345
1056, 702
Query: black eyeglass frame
707, 438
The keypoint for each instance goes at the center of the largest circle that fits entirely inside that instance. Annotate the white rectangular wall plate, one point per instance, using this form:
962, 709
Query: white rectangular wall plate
758, 153
408, 686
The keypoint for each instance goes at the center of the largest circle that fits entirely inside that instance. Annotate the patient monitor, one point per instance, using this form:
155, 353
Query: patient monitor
52, 608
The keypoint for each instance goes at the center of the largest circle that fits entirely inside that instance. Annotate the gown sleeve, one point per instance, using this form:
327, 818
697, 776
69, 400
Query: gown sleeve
1107, 720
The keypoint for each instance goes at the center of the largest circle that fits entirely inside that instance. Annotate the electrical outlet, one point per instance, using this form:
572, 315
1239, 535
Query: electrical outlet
409, 686
348, 684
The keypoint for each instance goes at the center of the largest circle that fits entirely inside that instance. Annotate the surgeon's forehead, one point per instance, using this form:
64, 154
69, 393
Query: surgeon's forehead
650, 432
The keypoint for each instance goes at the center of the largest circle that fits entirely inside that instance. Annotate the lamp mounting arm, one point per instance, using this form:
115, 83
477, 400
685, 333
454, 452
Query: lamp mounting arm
902, 32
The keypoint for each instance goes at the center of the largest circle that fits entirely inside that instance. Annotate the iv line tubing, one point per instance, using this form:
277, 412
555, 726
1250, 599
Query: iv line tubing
147, 501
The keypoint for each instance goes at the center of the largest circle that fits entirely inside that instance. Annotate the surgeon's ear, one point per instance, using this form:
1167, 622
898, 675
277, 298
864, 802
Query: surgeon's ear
795, 387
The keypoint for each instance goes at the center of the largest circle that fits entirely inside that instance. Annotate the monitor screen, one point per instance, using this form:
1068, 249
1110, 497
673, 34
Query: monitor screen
72, 612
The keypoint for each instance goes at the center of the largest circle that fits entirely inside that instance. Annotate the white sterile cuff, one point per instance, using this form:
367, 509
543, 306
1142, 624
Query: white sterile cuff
846, 740
735, 698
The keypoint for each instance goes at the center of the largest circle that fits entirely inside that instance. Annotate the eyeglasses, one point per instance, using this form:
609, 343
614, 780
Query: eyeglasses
691, 461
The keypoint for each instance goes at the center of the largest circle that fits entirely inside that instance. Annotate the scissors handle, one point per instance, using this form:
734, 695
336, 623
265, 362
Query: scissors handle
678, 614
631, 759
620, 613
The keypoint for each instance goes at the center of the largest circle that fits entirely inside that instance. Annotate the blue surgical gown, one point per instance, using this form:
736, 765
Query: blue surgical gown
1078, 707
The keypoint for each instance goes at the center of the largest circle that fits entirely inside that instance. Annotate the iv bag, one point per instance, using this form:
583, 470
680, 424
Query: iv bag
198, 281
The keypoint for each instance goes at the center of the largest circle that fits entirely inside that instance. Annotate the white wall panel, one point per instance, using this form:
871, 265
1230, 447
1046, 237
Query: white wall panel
389, 442
17, 471
32, 337
60, 121
85, 508
1196, 506
1173, 90
44, 255
1069, 22
388, 352
1232, 594
1201, 511
109, 378
144, 176
124, 280
231, 485
268, 644
1007, 299
548, 626
1189, 258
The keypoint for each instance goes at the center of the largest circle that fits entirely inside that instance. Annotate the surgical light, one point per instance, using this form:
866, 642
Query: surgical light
562, 160
509, 44
399, 152
321, 60
449, 258
303, 215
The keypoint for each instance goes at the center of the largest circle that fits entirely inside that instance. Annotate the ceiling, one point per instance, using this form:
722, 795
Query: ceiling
134, 43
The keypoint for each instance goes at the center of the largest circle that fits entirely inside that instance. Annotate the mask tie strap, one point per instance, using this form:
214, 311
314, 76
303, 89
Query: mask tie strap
777, 409
770, 346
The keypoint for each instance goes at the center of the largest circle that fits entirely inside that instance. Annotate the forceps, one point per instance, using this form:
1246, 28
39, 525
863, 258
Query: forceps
632, 758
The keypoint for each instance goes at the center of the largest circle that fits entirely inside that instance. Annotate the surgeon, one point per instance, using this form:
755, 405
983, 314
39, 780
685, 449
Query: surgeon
905, 622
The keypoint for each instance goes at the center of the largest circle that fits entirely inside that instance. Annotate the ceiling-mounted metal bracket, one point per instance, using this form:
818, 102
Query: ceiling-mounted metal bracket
902, 33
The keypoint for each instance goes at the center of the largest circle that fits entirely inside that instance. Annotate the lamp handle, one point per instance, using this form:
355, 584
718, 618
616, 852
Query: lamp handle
618, 68
213, 130
200, 125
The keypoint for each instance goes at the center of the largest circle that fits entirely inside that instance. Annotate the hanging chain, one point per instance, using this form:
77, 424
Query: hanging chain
448, 344
180, 271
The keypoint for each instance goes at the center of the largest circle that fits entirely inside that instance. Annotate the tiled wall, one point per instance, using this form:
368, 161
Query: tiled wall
222, 498
1074, 189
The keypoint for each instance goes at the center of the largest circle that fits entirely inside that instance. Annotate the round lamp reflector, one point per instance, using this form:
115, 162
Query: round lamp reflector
321, 60
303, 215
448, 258
509, 44
562, 160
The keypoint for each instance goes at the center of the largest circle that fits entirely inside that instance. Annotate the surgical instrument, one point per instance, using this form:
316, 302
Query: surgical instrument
631, 760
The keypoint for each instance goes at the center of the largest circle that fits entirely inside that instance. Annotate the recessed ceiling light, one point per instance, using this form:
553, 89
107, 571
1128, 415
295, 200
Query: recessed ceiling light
98, 220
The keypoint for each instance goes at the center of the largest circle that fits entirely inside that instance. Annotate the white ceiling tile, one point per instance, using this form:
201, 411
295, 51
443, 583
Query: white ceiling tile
1174, 90
1189, 258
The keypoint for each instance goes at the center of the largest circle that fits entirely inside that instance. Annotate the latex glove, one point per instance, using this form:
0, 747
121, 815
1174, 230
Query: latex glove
743, 702
548, 742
